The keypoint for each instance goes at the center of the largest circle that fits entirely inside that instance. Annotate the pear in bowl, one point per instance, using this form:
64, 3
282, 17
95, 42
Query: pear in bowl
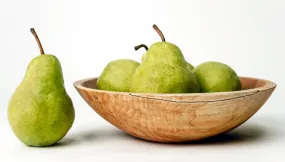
177, 117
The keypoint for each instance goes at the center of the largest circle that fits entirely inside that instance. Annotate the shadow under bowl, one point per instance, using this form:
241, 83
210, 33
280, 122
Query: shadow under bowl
177, 117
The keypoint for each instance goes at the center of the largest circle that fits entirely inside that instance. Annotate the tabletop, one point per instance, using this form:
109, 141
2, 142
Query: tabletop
261, 138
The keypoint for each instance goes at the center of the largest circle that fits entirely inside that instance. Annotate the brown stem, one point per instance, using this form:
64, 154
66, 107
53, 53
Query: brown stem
159, 32
38, 40
140, 46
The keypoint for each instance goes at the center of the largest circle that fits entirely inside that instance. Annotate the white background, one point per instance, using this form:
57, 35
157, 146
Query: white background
248, 35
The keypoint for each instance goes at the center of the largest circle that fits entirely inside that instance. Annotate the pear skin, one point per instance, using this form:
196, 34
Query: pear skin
164, 70
215, 76
117, 75
40, 112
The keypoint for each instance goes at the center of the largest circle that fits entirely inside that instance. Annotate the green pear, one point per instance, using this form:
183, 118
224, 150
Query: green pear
191, 67
117, 75
143, 57
40, 112
217, 77
164, 70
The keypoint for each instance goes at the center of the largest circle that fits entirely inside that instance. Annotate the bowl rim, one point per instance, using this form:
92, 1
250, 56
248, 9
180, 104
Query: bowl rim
268, 85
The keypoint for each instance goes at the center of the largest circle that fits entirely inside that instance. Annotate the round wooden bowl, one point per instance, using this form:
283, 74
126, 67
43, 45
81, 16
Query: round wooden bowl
177, 117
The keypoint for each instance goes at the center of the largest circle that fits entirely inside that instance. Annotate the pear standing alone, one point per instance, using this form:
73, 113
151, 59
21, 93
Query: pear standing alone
40, 111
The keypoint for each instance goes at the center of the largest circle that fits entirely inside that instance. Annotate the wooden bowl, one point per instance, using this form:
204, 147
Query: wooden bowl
177, 117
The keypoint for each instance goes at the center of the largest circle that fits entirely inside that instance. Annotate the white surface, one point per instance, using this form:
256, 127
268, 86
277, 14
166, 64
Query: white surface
248, 35
261, 139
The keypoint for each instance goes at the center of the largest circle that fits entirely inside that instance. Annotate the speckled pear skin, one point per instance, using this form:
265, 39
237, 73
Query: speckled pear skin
191, 67
117, 75
217, 77
40, 112
164, 70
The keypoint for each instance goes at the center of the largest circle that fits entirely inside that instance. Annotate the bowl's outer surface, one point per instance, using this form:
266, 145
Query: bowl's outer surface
177, 117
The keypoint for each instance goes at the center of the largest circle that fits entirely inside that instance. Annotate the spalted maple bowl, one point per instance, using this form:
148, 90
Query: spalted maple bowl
177, 117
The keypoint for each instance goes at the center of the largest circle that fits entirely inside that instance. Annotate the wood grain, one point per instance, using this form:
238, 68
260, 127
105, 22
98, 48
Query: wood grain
177, 117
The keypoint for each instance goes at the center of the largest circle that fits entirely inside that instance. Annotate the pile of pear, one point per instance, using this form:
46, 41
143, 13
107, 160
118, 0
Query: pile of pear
163, 69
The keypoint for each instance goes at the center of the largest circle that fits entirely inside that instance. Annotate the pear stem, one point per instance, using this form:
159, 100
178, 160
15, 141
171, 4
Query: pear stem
38, 40
140, 46
159, 32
